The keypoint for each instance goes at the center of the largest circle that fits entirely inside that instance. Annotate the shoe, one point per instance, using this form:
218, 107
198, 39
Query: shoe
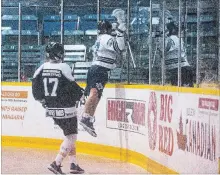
56, 169
88, 126
75, 169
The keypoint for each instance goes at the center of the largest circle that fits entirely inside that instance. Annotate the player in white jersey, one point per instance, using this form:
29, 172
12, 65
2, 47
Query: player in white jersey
53, 85
106, 49
171, 57
172, 54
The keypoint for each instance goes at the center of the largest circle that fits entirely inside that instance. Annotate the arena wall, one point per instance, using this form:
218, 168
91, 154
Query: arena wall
167, 130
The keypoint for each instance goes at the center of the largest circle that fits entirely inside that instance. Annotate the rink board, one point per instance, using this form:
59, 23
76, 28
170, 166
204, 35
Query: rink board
162, 129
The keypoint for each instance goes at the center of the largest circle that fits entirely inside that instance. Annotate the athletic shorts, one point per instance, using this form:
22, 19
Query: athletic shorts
97, 77
68, 125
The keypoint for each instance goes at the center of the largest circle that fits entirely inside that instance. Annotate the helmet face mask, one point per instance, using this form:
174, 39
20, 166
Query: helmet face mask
104, 27
55, 51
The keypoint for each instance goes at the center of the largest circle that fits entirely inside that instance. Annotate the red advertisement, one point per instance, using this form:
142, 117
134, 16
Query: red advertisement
197, 131
124, 114
160, 133
152, 120
207, 103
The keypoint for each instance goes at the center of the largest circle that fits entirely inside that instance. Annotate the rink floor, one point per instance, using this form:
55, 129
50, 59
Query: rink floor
35, 161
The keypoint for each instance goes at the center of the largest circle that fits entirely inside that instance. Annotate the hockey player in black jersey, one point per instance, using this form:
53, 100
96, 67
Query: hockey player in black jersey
106, 49
53, 85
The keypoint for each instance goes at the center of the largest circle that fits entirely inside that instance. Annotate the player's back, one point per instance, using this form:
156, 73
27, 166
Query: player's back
55, 81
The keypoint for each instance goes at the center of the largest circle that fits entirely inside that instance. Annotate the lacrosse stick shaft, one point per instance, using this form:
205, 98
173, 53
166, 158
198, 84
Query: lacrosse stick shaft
131, 54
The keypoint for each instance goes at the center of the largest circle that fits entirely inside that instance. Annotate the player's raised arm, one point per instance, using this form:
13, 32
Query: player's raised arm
119, 14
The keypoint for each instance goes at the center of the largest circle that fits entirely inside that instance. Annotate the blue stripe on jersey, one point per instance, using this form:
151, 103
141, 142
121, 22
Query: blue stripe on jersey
106, 60
115, 46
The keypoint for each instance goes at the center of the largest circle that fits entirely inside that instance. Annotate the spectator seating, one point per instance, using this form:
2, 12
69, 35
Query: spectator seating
80, 70
75, 53
30, 57
52, 23
29, 22
115, 74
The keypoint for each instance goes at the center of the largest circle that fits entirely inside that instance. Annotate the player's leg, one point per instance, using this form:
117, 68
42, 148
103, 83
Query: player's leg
74, 167
96, 80
70, 130
65, 148
187, 76
88, 115
92, 102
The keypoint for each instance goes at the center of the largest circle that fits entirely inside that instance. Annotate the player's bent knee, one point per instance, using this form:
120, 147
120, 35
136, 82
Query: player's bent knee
71, 139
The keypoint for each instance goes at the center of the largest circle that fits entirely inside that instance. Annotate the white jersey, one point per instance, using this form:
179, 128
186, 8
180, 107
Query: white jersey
171, 60
107, 48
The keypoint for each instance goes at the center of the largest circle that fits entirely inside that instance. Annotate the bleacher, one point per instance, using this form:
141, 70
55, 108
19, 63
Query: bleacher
80, 70
51, 23
30, 58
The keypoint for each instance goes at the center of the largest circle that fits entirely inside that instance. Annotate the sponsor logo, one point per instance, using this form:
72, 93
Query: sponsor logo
55, 113
160, 133
152, 120
181, 138
14, 105
207, 103
124, 114
197, 131
199, 138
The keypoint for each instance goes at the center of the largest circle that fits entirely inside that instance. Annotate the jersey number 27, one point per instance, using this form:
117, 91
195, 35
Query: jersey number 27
54, 89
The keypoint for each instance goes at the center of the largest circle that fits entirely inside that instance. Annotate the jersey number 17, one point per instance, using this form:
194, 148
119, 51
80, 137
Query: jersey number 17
54, 89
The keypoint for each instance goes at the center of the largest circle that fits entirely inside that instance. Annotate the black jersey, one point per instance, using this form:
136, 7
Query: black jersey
54, 83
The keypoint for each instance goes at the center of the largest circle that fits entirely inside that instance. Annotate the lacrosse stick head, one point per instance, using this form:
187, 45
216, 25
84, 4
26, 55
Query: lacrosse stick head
119, 14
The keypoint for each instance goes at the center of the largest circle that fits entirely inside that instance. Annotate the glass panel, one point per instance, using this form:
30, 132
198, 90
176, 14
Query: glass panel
80, 32
139, 33
50, 22
176, 40
41, 23
31, 48
9, 61
208, 46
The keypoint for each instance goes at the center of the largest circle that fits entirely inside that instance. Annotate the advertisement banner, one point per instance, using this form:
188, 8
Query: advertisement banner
125, 114
14, 104
198, 129
178, 130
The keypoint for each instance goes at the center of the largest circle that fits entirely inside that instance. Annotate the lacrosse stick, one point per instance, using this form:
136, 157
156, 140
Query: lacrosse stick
119, 14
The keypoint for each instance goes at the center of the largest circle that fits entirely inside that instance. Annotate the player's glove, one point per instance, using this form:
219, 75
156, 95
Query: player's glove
122, 27
43, 102
119, 14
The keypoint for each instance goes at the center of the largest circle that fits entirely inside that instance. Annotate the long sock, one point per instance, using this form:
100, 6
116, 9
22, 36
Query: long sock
59, 158
65, 148
72, 159
72, 155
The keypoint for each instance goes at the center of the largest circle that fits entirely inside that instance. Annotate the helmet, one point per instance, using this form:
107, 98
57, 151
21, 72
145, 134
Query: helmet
173, 28
104, 27
55, 51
